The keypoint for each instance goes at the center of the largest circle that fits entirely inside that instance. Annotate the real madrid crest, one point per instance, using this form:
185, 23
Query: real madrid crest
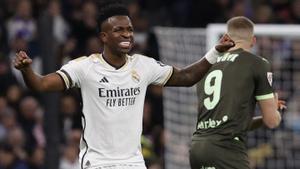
135, 76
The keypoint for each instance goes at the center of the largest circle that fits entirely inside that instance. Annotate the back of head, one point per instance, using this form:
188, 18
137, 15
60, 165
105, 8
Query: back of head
110, 8
240, 28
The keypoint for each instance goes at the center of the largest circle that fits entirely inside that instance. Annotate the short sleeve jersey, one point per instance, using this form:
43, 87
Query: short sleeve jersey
113, 101
228, 93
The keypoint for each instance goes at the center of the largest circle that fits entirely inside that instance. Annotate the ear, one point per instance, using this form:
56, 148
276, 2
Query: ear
253, 41
103, 37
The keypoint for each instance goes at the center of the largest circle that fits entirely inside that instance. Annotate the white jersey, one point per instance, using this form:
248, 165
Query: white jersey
113, 101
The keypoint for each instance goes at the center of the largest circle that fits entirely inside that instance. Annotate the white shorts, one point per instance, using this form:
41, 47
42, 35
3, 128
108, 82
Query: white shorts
120, 166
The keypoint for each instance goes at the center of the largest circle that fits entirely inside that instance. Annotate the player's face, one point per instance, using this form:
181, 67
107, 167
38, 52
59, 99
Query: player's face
117, 34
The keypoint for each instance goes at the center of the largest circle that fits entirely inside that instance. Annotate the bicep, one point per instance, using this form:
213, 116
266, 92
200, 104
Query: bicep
176, 78
189, 75
52, 82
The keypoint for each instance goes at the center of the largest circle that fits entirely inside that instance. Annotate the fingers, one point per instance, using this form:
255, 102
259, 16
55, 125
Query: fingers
225, 37
281, 105
227, 40
225, 43
21, 60
229, 44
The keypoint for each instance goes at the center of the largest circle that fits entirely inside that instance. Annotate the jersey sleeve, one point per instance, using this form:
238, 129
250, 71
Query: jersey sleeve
71, 74
160, 73
263, 80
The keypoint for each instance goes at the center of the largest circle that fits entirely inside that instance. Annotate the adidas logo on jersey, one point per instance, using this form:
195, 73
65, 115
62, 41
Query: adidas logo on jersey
88, 163
103, 80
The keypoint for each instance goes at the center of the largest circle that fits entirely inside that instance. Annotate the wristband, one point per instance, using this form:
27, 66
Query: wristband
212, 55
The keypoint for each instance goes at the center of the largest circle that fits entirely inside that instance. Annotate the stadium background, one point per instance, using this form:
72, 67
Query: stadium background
43, 130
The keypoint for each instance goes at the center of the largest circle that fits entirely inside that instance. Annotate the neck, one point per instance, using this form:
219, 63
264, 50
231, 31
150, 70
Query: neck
116, 61
241, 45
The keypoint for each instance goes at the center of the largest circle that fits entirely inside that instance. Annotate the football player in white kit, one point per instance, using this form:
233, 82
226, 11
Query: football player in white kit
113, 86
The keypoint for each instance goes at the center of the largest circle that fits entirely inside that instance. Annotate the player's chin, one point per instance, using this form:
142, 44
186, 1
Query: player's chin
125, 50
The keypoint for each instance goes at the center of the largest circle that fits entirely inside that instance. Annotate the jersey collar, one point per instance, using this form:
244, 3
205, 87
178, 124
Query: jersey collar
107, 65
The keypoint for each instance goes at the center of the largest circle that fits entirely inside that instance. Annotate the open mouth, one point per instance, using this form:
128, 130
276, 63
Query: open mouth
125, 44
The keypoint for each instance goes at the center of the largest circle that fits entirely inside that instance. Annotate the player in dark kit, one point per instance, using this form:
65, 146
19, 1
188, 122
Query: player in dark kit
113, 87
227, 98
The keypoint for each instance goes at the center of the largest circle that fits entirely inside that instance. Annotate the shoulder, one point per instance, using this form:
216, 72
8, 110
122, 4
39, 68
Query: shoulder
141, 59
85, 60
261, 60
147, 61
260, 64
255, 58
79, 60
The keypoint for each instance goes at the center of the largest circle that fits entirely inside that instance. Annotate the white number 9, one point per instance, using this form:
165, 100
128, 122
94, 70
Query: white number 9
213, 89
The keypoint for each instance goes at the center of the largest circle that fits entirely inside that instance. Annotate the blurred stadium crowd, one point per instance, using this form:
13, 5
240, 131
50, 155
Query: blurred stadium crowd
74, 25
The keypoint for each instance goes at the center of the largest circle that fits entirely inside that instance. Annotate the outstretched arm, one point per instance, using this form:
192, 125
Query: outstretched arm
34, 81
189, 75
193, 73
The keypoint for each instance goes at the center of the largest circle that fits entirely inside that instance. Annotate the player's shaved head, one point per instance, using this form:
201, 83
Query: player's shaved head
240, 28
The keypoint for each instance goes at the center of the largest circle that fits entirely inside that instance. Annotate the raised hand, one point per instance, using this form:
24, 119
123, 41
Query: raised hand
22, 61
225, 43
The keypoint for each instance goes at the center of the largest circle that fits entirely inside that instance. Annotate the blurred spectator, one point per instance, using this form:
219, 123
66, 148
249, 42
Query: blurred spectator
86, 26
61, 28
239, 8
138, 17
203, 12
22, 24
20, 43
156, 12
14, 94
155, 95
147, 116
3, 104
295, 6
9, 160
74, 137
282, 12
69, 159
67, 51
148, 151
72, 9
16, 138
70, 115
3, 38
93, 45
30, 113
180, 12
36, 158
8, 122
263, 14
6, 77
158, 138
38, 130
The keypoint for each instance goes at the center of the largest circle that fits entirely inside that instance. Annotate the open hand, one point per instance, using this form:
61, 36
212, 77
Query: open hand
21, 61
225, 43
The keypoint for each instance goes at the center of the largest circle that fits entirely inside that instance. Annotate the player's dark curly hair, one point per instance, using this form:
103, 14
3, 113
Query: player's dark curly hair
110, 8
